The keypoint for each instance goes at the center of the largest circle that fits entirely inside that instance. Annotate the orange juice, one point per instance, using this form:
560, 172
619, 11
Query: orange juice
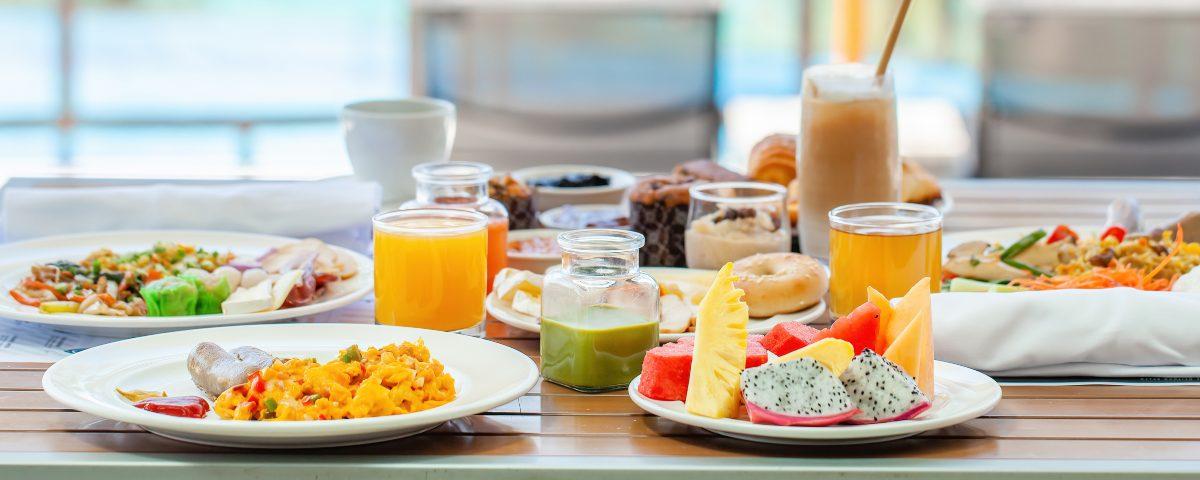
497, 250
882, 249
431, 268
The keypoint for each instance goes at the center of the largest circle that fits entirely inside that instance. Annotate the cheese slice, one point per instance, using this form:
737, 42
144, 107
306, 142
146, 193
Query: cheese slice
509, 281
248, 300
526, 303
282, 286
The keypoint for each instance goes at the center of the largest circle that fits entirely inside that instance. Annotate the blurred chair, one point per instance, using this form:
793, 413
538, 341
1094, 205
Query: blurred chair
1091, 88
622, 83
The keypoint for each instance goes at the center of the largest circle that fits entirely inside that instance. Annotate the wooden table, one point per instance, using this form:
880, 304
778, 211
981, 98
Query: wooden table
552, 432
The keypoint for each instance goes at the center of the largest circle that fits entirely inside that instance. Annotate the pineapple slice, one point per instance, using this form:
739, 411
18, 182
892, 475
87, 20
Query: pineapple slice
720, 353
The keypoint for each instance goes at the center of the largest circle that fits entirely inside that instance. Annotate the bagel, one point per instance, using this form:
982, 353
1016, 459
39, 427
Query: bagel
778, 283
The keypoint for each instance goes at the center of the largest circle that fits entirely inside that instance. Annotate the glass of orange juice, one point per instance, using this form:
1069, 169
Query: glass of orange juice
885, 245
431, 269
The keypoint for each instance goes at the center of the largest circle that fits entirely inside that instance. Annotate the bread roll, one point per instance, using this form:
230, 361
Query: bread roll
773, 159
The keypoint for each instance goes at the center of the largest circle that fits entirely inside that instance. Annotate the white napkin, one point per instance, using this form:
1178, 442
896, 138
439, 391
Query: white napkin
1096, 333
337, 211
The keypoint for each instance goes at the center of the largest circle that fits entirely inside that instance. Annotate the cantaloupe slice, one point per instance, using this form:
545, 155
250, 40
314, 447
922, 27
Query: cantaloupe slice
913, 350
905, 311
885, 315
834, 353
720, 353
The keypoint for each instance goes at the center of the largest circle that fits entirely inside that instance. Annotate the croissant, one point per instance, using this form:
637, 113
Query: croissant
773, 159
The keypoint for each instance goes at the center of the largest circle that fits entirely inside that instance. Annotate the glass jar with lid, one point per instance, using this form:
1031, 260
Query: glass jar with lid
464, 185
600, 313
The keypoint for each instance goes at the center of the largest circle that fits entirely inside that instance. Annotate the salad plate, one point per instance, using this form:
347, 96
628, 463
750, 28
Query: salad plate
503, 311
962, 394
486, 375
17, 258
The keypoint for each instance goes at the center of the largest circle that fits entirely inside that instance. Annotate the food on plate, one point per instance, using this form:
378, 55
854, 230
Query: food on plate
706, 171
517, 198
189, 406
801, 392
835, 377
534, 245
573, 217
667, 368
173, 279
778, 283
730, 233
720, 353
215, 370
572, 180
834, 353
917, 185
882, 391
773, 159
521, 291
860, 328
907, 338
787, 337
139, 395
390, 380
1065, 259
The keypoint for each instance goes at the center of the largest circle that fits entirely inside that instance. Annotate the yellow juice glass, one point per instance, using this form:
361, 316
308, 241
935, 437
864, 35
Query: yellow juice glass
431, 269
885, 245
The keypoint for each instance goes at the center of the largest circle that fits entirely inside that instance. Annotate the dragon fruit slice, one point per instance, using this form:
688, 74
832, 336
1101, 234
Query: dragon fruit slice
800, 392
881, 390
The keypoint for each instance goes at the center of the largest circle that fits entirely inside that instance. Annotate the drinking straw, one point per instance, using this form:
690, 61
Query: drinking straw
891, 41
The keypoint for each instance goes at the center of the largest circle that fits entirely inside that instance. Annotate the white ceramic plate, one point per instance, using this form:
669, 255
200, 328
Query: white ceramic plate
962, 394
16, 258
502, 311
486, 375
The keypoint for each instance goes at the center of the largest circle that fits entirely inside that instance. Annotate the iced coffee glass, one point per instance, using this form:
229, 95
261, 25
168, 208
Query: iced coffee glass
847, 149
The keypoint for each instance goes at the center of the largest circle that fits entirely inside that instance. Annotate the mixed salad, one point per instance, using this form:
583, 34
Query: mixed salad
175, 279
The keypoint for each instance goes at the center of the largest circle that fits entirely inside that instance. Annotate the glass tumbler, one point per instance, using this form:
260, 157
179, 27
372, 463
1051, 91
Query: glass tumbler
431, 269
887, 245
728, 221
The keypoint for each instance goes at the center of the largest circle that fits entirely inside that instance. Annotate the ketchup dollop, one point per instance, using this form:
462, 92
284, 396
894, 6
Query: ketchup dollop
187, 406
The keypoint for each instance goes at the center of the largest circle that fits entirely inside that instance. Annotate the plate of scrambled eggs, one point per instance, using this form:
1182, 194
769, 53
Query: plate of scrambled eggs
329, 384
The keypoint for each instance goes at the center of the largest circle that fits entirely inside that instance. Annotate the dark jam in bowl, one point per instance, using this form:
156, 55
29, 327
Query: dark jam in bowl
573, 180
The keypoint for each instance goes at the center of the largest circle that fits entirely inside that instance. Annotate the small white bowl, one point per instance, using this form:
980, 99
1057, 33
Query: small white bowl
533, 262
554, 218
546, 198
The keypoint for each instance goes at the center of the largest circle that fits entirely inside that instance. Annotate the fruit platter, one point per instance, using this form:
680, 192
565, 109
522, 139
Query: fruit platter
800, 385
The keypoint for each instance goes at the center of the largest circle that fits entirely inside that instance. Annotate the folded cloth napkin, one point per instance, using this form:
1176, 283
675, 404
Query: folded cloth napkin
337, 211
1118, 332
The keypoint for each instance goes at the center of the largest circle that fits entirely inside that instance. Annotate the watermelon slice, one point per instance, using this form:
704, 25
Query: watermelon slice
666, 368
860, 328
787, 337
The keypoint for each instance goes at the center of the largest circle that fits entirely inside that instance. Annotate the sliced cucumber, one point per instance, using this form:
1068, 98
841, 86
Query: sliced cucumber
961, 284
997, 288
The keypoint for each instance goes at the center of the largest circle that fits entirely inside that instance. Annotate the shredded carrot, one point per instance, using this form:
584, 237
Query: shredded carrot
1174, 250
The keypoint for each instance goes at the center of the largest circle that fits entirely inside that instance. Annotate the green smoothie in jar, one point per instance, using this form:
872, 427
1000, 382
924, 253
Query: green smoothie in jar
602, 350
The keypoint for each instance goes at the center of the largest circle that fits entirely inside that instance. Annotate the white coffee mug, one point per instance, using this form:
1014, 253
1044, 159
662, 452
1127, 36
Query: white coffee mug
386, 138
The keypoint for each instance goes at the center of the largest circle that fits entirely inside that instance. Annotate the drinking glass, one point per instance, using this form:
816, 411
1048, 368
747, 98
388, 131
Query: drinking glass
431, 269
847, 149
728, 221
885, 245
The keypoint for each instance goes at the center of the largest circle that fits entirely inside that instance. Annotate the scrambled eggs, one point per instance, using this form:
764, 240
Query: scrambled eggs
391, 380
